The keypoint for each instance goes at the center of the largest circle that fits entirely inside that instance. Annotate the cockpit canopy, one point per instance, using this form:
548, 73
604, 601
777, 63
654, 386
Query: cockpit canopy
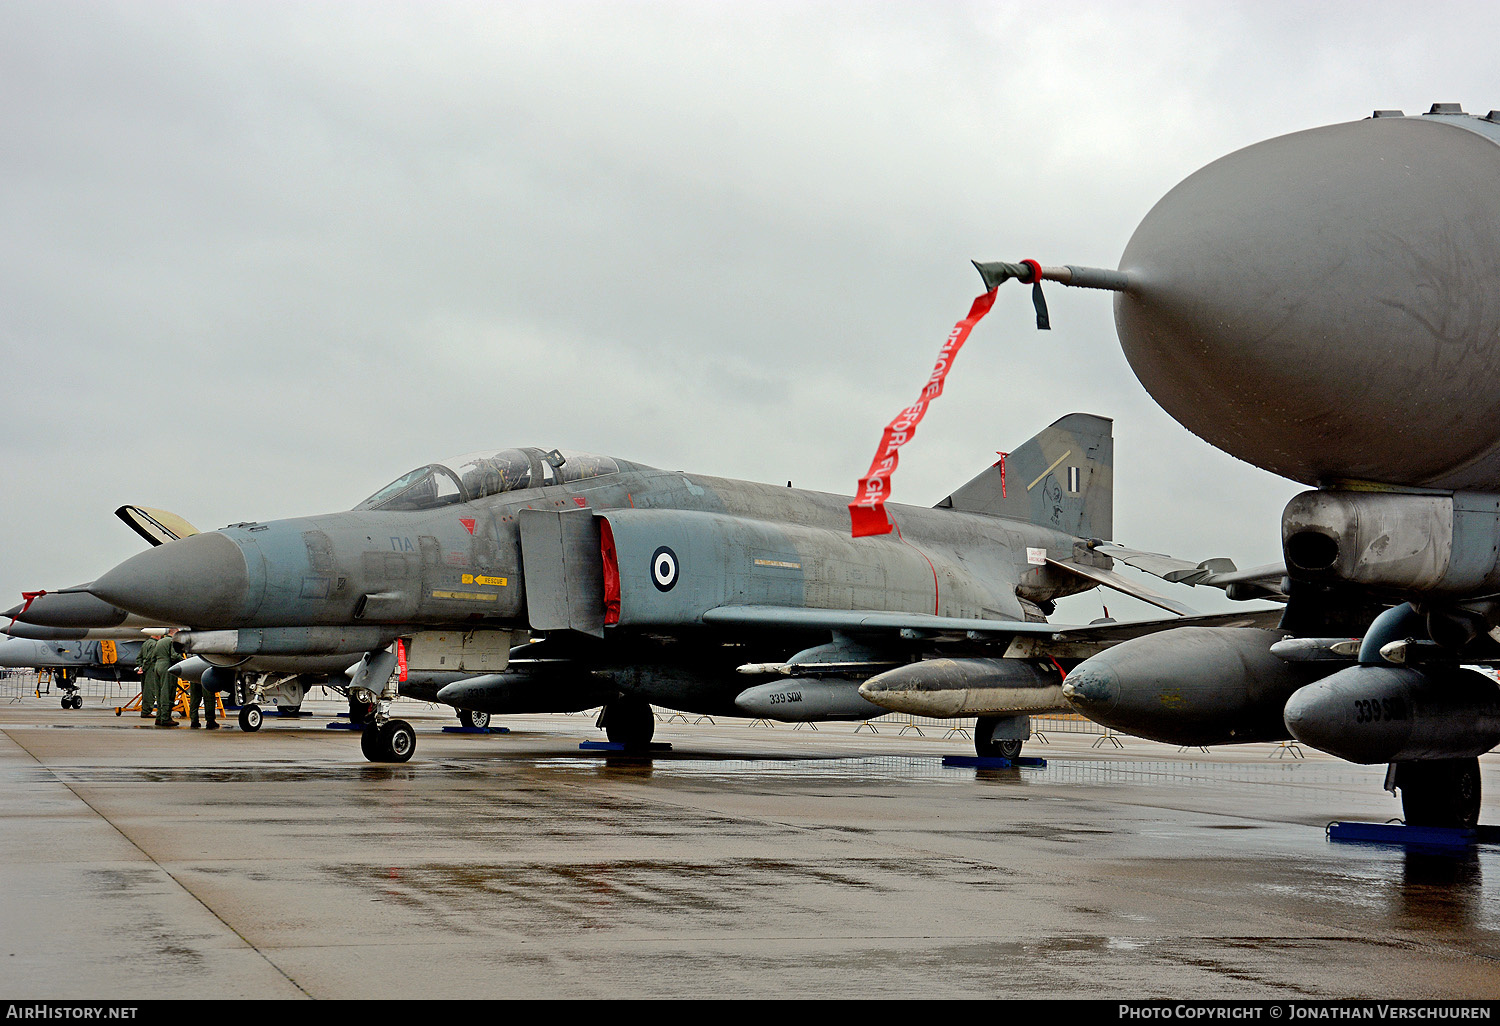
478, 474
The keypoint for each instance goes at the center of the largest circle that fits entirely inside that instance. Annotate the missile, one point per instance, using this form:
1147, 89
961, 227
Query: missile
806, 700
1374, 714
949, 688
1321, 304
1192, 686
1316, 650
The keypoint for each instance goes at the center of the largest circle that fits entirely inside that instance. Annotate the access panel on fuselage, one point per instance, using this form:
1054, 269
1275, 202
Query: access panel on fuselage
563, 570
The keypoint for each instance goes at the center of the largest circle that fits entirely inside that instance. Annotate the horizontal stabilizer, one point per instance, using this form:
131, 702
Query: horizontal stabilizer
1110, 579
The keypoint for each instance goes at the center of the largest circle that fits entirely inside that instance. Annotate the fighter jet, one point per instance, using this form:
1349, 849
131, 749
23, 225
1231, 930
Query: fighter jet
1323, 305
102, 659
651, 586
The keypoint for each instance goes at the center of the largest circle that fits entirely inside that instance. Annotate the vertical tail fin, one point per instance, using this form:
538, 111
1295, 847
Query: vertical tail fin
1063, 478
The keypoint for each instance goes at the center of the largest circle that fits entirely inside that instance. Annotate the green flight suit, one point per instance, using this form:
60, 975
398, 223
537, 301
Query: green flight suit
150, 685
210, 699
163, 655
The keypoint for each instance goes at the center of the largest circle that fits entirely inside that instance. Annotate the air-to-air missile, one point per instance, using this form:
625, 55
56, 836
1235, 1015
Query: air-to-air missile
1324, 306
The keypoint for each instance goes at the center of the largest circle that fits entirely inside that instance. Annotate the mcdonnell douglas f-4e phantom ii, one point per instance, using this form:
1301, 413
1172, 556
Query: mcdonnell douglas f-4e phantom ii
652, 586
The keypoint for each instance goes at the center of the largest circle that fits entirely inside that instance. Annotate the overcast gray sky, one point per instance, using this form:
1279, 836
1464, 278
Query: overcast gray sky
257, 259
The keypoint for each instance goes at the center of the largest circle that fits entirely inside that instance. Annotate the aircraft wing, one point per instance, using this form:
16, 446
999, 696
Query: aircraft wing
870, 620
1022, 639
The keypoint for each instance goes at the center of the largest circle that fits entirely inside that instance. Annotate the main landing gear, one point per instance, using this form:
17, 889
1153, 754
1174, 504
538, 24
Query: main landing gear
1439, 792
988, 746
474, 720
628, 721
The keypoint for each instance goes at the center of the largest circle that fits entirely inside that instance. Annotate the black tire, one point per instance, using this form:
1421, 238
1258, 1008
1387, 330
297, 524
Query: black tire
399, 740
67, 701
629, 722
370, 742
1440, 792
988, 748
474, 720
250, 718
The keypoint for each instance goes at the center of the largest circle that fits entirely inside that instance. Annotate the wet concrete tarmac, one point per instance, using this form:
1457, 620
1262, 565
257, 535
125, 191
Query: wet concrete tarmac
748, 861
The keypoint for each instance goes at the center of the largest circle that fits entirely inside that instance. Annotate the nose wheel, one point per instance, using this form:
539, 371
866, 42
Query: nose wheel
392, 741
250, 718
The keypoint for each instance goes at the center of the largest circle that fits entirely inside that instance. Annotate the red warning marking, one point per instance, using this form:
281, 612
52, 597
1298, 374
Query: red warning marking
468, 523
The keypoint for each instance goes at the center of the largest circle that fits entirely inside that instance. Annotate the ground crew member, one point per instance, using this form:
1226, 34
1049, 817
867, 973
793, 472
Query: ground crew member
149, 684
210, 699
163, 655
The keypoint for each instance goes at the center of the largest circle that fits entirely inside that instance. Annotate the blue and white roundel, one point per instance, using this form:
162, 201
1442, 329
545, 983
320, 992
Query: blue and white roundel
664, 568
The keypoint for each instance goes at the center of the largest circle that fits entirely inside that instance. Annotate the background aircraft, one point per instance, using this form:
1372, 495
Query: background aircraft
101, 659
649, 586
1323, 305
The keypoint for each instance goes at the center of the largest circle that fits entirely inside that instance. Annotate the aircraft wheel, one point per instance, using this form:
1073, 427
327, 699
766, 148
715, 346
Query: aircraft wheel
250, 718
400, 740
394, 742
1440, 792
77, 701
477, 720
987, 747
369, 742
628, 722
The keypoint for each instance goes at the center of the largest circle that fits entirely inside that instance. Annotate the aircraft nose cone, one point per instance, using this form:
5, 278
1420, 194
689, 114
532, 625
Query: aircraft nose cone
200, 581
1318, 304
19, 652
1092, 687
